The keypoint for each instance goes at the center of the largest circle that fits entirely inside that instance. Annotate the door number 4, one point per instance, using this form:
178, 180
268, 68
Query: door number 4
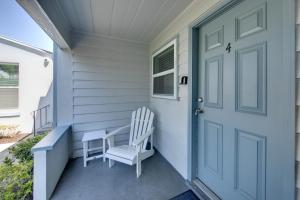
228, 48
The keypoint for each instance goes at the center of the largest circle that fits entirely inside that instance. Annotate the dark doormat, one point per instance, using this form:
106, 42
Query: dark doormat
187, 195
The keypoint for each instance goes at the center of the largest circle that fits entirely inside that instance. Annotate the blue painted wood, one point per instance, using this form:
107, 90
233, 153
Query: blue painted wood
257, 143
213, 147
214, 82
251, 22
250, 164
251, 76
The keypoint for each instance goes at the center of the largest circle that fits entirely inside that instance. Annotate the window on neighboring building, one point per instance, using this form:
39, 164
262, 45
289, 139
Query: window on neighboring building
9, 86
164, 71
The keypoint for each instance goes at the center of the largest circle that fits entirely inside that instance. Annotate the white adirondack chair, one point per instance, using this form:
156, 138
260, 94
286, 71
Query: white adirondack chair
141, 129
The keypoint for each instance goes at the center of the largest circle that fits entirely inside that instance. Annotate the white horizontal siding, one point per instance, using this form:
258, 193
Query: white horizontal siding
95, 100
89, 84
110, 76
90, 109
92, 126
100, 65
110, 79
113, 92
100, 117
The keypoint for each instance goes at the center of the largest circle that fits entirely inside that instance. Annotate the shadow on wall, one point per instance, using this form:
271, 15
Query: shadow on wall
43, 115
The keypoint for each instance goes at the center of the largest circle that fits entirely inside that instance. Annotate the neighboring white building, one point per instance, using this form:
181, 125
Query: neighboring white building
25, 85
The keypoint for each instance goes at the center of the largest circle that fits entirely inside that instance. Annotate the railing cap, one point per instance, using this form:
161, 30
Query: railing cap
48, 142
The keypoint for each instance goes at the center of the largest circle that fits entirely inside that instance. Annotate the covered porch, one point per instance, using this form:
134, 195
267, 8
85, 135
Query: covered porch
102, 73
159, 181
105, 66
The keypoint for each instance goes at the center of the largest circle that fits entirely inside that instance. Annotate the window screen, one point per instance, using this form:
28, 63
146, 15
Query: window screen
9, 86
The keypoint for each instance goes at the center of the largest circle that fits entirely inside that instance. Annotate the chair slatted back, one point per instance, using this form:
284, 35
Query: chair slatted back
141, 122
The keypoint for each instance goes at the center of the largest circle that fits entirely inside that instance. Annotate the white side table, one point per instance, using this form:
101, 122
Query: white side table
91, 136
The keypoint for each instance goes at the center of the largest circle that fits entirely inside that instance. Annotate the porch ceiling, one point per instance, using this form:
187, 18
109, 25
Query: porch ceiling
138, 20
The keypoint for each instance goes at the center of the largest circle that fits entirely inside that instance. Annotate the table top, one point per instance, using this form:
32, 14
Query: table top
93, 135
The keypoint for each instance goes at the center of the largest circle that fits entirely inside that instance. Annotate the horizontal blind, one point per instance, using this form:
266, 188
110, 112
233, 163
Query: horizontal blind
164, 61
9, 98
164, 85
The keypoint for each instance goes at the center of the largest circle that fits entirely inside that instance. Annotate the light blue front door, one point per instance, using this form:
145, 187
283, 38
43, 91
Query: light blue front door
242, 85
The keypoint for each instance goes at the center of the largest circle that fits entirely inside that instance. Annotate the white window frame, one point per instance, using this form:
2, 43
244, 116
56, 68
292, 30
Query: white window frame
12, 112
170, 71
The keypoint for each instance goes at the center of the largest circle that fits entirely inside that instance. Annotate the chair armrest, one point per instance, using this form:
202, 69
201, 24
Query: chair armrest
142, 138
117, 131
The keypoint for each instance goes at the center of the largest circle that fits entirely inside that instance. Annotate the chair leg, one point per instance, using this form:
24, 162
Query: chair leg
111, 163
138, 168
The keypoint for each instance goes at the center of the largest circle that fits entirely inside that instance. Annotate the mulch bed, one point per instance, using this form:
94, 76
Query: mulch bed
14, 138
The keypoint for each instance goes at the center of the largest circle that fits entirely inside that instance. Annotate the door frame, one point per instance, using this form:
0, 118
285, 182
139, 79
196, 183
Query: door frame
289, 57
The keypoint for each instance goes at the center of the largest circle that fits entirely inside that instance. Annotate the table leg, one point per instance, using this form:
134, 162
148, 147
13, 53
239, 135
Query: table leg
103, 149
85, 149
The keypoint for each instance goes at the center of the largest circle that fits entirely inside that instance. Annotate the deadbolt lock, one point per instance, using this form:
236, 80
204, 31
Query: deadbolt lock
198, 111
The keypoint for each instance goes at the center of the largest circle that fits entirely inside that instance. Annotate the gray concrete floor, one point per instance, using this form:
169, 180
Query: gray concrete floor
159, 181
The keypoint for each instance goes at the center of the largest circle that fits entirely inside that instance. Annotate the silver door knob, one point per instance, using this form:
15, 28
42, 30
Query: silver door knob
198, 111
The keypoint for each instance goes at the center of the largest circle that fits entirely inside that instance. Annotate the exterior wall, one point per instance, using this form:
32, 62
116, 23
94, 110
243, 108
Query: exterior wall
63, 85
35, 86
110, 78
172, 125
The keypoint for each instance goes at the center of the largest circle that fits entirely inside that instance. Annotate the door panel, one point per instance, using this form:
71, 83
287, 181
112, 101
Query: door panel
213, 141
214, 82
251, 79
250, 164
214, 39
242, 139
251, 22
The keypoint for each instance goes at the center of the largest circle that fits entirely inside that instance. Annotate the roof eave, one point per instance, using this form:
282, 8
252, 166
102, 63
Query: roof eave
35, 10
25, 47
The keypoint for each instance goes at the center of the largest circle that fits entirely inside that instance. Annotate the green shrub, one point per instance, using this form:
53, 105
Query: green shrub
8, 161
16, 181
22, 151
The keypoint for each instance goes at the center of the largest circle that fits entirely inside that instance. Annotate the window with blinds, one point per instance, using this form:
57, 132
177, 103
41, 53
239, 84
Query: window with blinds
9, 86
164, 71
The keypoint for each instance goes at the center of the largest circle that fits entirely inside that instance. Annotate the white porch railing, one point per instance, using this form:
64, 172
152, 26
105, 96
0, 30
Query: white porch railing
51, 155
